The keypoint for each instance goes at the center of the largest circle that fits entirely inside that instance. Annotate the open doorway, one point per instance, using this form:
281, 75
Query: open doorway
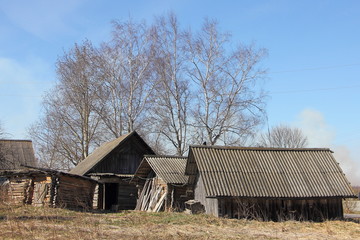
111, 195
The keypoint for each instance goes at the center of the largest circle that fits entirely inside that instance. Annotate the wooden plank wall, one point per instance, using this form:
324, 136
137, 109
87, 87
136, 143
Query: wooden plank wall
280, 210
127, 196
125, 159
41, 195
210, 204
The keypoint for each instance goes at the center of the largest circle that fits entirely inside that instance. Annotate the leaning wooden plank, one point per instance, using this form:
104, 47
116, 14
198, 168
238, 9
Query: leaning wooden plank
143, 195
139, 201
160, 203
155, 198
146, 202
151, 199
146, 198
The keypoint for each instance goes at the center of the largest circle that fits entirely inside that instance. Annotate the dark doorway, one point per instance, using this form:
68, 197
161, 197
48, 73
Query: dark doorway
111, 195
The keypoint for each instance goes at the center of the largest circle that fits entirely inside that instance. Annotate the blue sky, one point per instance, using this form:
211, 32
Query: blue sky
313, 62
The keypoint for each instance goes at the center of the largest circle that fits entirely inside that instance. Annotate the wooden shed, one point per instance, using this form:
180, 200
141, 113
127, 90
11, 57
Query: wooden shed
14, 153
162, 183
268, 183
114, 164
44, 187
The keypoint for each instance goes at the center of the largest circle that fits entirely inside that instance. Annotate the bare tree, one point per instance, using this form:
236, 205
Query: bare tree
128, 80
171, 86
71, 122
227, 107
283, 136
170, 113
2, 131
3, 162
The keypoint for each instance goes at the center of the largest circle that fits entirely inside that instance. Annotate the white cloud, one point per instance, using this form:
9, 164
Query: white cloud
321, 134
42, 18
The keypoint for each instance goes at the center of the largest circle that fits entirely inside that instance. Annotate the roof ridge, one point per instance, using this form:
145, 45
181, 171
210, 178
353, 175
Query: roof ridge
259, 148
16, 140
164, 156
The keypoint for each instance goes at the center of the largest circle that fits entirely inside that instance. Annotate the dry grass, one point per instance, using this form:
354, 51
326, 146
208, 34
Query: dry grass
27, 222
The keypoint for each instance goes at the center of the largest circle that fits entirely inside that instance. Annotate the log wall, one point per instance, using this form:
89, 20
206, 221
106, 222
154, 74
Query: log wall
74, 192
18, 190
50, 190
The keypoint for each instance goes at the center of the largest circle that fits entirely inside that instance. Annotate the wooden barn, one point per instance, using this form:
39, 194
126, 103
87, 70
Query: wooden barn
44, 187
113, 164
14, 153
162, 183
268, 183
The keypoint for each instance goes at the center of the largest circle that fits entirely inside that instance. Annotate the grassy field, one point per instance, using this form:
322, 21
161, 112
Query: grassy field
27, 222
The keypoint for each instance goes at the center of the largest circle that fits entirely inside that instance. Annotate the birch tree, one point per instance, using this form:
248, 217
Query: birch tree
227, 107
128, 76
171, 108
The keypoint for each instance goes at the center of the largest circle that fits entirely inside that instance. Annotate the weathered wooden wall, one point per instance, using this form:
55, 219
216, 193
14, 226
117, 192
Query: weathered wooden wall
177, 196
123, 160
127, 195
210, 204
18, 190
281, 209
115, 193
47, 190
74, 192
42, 190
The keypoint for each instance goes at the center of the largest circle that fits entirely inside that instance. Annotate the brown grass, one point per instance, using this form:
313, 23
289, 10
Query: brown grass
27, 222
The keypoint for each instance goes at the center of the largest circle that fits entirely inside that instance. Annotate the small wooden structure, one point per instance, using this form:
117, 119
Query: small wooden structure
113, 164
14, 153
45, 187
268, 183
162, 183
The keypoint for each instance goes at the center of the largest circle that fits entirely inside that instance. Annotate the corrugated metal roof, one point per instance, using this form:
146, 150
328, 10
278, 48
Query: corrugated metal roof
16, 153
268, 172
100, 153
171, 169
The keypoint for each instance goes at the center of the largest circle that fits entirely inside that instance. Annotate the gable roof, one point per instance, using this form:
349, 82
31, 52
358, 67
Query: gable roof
101, 152
14, 153
268, 172
171, 169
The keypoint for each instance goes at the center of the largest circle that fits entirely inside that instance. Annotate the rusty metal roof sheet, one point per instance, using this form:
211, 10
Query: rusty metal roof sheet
268, 172
171, 169
101, 152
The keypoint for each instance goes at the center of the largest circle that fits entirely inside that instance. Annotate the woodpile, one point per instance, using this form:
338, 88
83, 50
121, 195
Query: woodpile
152, 197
